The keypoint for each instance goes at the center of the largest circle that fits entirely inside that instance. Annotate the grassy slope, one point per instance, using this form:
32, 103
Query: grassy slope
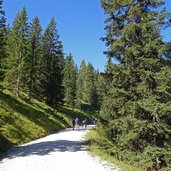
92, 139
22, 120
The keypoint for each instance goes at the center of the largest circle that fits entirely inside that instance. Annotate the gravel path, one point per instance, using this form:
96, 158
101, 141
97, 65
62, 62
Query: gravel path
63, 151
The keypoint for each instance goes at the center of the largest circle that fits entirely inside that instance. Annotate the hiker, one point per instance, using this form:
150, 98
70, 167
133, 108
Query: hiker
95, 121
84, 123
73, 123
76, 122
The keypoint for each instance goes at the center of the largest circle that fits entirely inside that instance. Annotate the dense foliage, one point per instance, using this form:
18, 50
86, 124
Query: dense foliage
136, 109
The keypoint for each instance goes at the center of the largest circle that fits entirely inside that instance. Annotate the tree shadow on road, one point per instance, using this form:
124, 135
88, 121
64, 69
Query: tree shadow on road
45, 148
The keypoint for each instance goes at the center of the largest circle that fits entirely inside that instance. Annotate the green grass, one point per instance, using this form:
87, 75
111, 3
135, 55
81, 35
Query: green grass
92, 137
22, 120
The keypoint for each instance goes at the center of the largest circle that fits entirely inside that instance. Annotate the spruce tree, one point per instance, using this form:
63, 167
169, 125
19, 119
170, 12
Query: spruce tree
17, 46
60, 73
69, 81
100, 86
33, 60
50, 64
2, 41
80, 93
136, 107
89, 83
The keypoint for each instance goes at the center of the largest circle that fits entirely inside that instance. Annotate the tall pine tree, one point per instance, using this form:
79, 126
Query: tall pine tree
100, 86
52, 64
69, 81
17, 46
80, 93
60, 73
136, 107
89, 84
34, 59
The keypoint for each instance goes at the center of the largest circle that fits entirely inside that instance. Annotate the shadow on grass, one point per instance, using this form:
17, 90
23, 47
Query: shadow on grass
36, 116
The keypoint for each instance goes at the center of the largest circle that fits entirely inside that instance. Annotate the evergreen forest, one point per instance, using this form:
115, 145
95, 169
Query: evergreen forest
42, 88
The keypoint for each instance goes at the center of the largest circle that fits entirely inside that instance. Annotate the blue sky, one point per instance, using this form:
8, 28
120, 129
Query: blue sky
80, 25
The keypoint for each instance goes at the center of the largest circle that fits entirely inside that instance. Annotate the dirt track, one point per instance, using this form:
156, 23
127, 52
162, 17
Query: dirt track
63, 151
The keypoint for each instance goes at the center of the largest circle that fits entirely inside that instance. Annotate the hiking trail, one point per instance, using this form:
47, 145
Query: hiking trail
63, 151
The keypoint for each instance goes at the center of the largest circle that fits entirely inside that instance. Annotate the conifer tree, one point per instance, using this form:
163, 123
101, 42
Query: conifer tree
17, 46
2, 40
135, 110
50, 63
89, 87
60, 74
80, 93
33, 60
69, 81
100, 86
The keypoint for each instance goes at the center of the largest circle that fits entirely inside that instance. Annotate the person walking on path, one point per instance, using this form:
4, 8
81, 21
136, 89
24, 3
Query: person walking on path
95, 121
76, 122
73, 123
85, 123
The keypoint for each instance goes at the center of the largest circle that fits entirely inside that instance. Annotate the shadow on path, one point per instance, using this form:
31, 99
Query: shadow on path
45, 148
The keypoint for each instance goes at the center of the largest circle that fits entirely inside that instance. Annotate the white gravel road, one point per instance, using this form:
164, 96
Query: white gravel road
63, 151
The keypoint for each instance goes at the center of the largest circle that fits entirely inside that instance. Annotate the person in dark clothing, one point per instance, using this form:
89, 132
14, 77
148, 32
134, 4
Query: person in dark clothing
73, 123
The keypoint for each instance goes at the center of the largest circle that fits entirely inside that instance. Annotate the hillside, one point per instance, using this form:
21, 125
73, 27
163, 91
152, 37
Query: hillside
22, 120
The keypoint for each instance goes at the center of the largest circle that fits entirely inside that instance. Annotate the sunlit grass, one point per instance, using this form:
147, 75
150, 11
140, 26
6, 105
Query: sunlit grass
92, 137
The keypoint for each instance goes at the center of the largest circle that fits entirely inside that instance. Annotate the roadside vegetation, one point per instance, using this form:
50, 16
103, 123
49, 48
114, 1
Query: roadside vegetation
93, 140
